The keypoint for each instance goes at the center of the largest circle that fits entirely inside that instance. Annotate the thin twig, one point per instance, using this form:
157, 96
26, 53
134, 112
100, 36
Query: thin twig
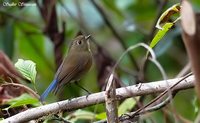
162, 94
110, 101
185, 70
29, 90
145, 109
153, 29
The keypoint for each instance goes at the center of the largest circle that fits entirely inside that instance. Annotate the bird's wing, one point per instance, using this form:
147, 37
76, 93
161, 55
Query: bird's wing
69, 70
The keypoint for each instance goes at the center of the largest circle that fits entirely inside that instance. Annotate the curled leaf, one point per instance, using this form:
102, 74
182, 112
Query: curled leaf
167, 14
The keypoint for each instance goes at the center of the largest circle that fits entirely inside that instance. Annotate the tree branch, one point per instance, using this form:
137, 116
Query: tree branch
110, 101
191, 38
96, 98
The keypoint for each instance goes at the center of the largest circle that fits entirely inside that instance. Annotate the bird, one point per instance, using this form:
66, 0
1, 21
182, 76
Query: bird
73, 67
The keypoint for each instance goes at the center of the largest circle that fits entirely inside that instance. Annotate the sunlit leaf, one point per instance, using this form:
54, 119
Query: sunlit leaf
101, 116
27, 69
160, 34
126, 106
24, 99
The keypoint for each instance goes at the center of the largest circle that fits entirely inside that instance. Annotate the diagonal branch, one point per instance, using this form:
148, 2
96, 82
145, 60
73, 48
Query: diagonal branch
49, 15
114, 31
110, 101
96, 98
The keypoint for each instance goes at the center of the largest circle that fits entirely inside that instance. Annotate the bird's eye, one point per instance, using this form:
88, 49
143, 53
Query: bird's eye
79, 42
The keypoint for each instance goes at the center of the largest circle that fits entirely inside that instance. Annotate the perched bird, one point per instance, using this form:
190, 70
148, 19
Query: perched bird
75, 64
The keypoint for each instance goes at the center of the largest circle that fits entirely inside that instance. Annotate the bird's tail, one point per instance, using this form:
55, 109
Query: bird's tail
48, 90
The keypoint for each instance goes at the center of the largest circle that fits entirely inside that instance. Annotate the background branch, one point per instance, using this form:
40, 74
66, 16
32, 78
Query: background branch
110, 101
114, 31
49, 15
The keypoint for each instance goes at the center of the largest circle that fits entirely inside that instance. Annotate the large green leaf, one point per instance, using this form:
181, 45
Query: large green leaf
24, 99
27, 68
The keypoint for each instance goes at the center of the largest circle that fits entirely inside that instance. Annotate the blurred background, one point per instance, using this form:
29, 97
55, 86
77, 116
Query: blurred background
41, 30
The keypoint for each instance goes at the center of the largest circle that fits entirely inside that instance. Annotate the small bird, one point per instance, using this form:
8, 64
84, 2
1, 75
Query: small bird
75, 64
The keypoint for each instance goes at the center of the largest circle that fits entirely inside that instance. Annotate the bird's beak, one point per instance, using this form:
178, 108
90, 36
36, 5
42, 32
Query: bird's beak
87, 37
88, 42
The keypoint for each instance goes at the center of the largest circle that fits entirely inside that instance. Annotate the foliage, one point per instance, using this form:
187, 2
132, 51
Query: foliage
22, 100
25, 34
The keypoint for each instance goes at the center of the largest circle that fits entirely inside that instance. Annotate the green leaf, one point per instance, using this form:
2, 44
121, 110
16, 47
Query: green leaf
126, 106
160, 34
101, 116
24, 99
27, 69
80, 114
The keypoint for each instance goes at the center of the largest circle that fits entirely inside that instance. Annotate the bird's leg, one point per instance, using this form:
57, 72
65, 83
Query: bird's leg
82, 88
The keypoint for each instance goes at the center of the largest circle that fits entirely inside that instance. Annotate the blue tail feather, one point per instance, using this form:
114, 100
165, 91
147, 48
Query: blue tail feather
48, 90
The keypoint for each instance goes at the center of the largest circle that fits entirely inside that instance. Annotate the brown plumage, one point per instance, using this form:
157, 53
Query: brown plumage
77, 63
